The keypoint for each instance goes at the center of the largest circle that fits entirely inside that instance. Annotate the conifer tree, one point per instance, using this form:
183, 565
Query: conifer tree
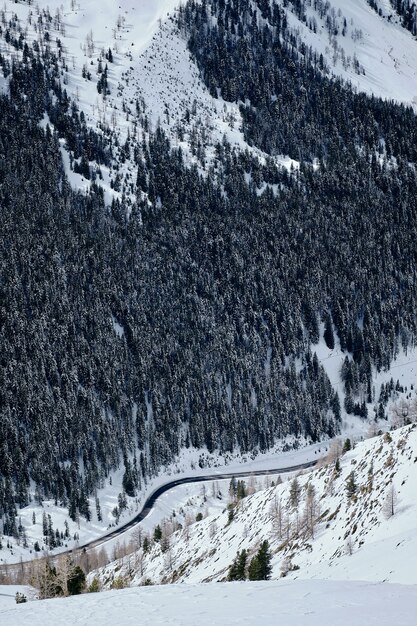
351, 487
237, 570
260, 566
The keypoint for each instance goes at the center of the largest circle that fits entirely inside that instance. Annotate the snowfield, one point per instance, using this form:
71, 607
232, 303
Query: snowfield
295, 603
382, 47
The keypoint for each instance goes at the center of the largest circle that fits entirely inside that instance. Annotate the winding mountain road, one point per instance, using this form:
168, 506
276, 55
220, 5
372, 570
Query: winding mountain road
155, 495
16, 568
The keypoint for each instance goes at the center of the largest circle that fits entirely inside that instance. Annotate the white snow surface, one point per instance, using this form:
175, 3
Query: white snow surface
8, 595
295, 603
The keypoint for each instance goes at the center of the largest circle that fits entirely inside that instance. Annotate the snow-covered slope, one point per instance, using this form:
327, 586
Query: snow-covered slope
175, 97
373, 52
369, 535
280, 602
153, 73
329, 542
85, 31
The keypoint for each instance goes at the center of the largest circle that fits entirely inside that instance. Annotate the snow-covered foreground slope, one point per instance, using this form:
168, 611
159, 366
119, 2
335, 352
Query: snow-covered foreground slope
326, 533
329, 543
292, 603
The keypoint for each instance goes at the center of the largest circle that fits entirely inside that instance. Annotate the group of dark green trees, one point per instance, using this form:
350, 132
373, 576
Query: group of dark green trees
407, 10
259, 567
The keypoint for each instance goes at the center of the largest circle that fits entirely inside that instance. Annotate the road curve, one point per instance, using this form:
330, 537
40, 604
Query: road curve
13, 568
159, 491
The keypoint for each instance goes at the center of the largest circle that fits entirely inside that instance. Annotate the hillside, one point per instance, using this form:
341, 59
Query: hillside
325, 535
322, 524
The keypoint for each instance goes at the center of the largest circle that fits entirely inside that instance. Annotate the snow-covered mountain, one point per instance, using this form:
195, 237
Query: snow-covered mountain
129, 71
207, 259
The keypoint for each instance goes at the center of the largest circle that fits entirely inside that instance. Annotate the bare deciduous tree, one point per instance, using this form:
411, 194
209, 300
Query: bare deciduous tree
390, 502
169, 558
63, 572
277, 514
186, 527
102, 557
140, 562
311, 510
335, 451
349, 545
136, 537
213, 529
404, 412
